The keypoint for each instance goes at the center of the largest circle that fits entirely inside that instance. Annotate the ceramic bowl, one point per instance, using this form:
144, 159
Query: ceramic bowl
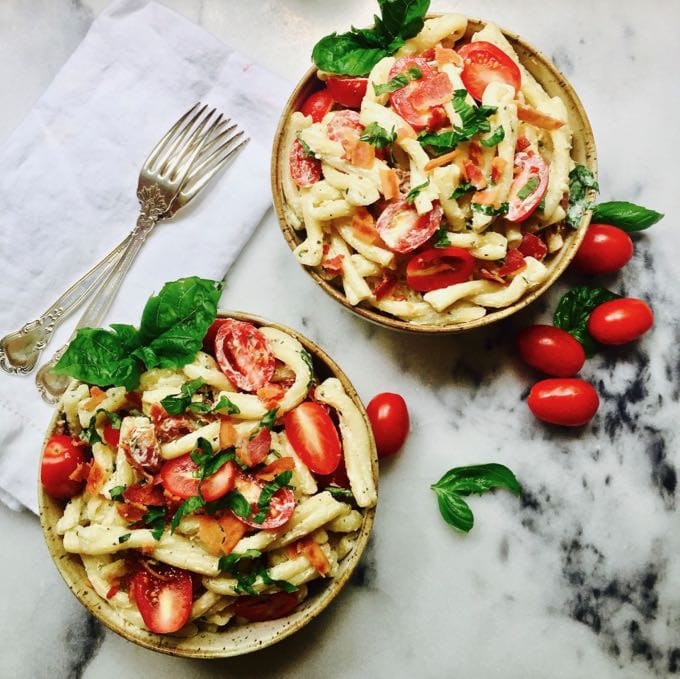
237, 639
583, 152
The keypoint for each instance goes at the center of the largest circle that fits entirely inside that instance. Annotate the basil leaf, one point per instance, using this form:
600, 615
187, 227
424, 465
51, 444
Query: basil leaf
441, 237
202, 455
217, 462
89, 434
225, 403
529, 188
402, 17
306, 147
463, 481
398, 82
189, 506
490, 210
581, 182
228, 562
154, 519
378, 136
281, 584
439, 143
176, 404
245, 582
413, 193
116, 493
306, 357
626, 216
175, 321
337, 491
269, 418
574, 309
233, 501
461, 190
281, 481
494, 139
124, 538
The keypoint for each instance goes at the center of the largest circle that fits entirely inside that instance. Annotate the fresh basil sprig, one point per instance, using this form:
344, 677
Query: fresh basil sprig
495, 138
415, 191
281, 481
625, 215
360, 49
461, 190
176, 404
269, 419
189, 506
463, 481
172, 328
574, 309
581, 182
398, 82
441, 237
233, 501
154, 519
529, 188
490, 210
229, 561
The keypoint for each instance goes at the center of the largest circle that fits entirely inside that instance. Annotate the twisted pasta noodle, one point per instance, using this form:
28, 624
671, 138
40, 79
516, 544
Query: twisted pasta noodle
75, 393
292, 205
405, 309
302, 480
379, 75
372, 252
461, 312
185, 444
113, 401
446, 179
532, 275
355, 287
445, 297
365, 267
205, 367
358, 189
419, 177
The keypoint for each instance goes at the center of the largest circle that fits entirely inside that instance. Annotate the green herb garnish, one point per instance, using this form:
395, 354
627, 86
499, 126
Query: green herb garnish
124, 538
461, 190
495, 138
228, 562
581, 182
624, 215
189, 506
490, 210
415, 191
337, 491
441, 237
529, 188
400, 80
154, 519
233, 501
281, 481
116, 493
176, 404
269, 419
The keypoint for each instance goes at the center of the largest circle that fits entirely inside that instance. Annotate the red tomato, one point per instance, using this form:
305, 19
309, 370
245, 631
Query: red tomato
419, 102
281, 505
243, 355
209, 339
314, 437
146, 494
216, 485
402, 229
604, 249
551, 350
179, 476
111, 435
485, 63
347, 91
346, 128
531, 182
533, 246
390, 422
304, 169
438, 268
317, 105
620, 320
256, 449
164, 600
569, 402
60, 459
265, 606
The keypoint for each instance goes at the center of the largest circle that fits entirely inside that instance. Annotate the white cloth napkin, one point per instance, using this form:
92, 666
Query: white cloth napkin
68, 181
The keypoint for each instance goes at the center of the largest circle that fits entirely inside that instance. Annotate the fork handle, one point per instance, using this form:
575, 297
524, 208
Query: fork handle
50, 385
20, 350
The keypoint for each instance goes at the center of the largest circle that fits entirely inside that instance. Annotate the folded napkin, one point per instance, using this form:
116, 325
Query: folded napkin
69, 179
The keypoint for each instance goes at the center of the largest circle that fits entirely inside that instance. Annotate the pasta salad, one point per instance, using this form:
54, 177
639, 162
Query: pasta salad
214, 492
428, 178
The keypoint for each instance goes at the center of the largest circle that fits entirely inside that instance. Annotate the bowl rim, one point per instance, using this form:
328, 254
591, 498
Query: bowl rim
169, 645
556, 268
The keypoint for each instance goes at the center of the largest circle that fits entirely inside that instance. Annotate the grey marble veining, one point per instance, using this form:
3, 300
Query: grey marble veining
577, 578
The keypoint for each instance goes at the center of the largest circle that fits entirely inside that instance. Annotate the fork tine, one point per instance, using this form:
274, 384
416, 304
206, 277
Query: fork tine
170, 134
199, 181
210, 155
184, 141
187, 157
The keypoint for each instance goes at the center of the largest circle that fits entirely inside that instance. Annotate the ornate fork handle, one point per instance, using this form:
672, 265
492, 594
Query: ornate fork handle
20, 350
50, 385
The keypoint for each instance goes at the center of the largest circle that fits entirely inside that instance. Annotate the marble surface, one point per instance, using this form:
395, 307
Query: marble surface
578, 578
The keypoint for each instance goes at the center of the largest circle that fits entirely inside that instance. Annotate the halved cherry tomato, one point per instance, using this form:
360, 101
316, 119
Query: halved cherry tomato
317, 105
403, 230
438, 268
209, 339
164, 600
305, 170
528, 187
569, 402
243, 355
314, 437
485, 63
604, 249
347, 91
60, 460
389, 421
180, 476
217, 485
620, 320
111, 435
551, 350
419, 103
345, 127
281, 505
256, 449
265, 606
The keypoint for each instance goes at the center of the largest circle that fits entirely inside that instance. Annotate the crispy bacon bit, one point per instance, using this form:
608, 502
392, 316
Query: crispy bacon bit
362, 154
514, 261
389, 183
233, 531
445, 55
81, 472
210, 534
96, 397
522, 144
533, 246
385, 285
534, 117
474, 175
497, 167
134, 400
406, 132
312, 550
144, 495
475, 152
157, 413
138, 440
487, 197
228, 435
256, 449
428, 54
271, 394
114, 589
171, 428
364, 226
95, 479
445, 159
272, 470
492, 275
131, 513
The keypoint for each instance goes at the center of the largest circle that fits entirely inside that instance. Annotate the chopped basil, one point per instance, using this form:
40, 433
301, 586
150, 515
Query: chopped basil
234, 501
574, 309
306, 148
228, 562
625, 215
400, 80
461, 190
269, 419
306, 357
495, 138
441, 238
283, 585
207, 462
490, 210
176, 404
189, 506
337, 491
116, 493
463, 481
413, 193
529, 188
541, 205
225, 403
581, 182
124, 538
154, 519
378, 136
281, 481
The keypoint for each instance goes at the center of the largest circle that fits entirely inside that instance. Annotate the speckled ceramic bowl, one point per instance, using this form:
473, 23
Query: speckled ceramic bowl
238, 639
583, 152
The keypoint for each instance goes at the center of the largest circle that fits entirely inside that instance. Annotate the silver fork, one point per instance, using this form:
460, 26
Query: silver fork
180, 166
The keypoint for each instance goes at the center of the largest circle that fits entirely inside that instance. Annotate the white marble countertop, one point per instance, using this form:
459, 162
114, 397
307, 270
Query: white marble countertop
579, 578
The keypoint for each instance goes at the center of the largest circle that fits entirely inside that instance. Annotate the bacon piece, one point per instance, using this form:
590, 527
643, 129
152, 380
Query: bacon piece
233, 530
533, 246
144, 495
445, 55
497, 167
131, 513
385, 285
228, 435
362, 154
138, 440
364, 226
210, 533
534, 117
487, 197
271, 394
522, 144
475, 152
97, 395
312, 550
445, 159
514, 261
95, 479
255, 449
272, 470
474, 175
389, 183
171, 428
81, 472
